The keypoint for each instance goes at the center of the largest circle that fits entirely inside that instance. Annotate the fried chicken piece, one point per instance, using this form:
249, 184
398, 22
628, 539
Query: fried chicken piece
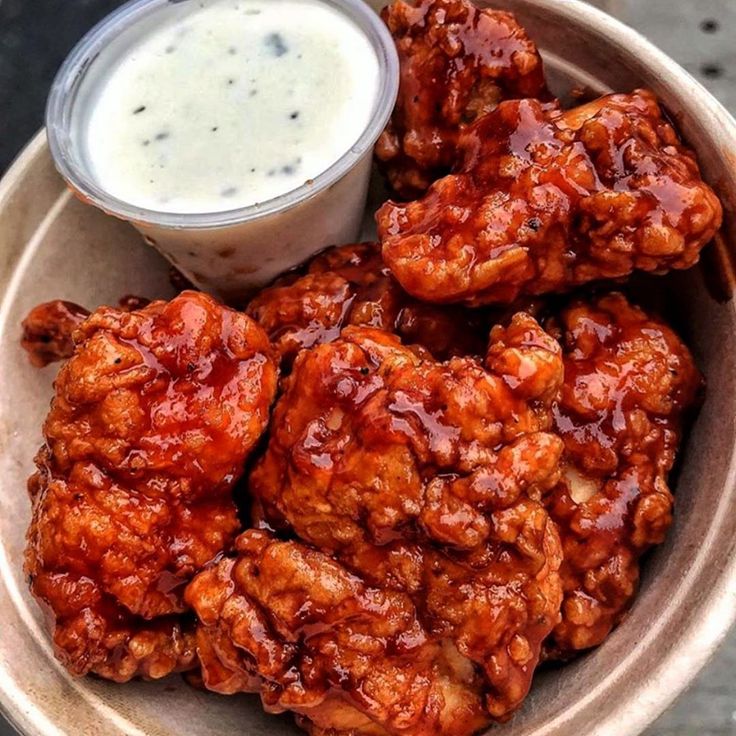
628, 381
543, 201
350, 285
457, 62
423, 479
153, 418
294, 625
48, 330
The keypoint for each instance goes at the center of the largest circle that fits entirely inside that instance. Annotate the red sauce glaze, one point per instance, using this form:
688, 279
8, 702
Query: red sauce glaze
457, 62
294, 625
628, 381
351, 285
153, 418
48, 329
544, 200
420, 478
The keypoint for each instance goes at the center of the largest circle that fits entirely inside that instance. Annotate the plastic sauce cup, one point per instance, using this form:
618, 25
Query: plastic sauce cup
229, 253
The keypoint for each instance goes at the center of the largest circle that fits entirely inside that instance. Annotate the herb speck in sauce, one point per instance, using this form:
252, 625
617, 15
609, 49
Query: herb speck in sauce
294, 115
163, 135
139, 110
232, 51
229, 192
276, 43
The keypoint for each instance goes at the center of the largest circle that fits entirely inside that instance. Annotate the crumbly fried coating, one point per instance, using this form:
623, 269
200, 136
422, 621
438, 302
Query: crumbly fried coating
628, 381
424, 479
351, 285
457, 62
293, 624
545, 200
48, 329
153, 418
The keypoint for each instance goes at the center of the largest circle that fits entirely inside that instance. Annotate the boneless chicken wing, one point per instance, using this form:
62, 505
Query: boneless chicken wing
153, 418
351, 285
544, 200
423, 481
48, 331
457, 62
628, 381
291, 623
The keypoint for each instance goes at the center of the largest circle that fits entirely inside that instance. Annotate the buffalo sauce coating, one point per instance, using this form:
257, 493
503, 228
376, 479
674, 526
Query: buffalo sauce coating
543, 200
293, 624
420, 478
351, 285
48, 330
153, 418
628, 381
457, 62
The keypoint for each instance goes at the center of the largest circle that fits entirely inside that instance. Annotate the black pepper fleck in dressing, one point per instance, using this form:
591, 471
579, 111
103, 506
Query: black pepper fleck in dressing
287, 169
139, 110
276, 43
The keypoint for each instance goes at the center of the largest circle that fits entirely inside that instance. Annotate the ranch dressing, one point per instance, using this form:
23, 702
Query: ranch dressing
233, 104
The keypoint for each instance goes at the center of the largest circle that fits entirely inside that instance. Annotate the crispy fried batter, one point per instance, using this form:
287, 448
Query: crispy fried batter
350, 285
457, 62
153, 418
48, 329
291, 623
544, 200
628, 380
422, 478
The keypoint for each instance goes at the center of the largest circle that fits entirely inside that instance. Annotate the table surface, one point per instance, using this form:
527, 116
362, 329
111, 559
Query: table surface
35, 36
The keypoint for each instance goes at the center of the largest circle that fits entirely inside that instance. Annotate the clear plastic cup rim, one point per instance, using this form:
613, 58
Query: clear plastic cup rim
62, 97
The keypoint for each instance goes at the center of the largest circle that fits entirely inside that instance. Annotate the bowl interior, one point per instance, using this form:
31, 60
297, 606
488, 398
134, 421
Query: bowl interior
55, 247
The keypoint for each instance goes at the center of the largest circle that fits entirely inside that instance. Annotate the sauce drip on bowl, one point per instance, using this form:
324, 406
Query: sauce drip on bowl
231, 104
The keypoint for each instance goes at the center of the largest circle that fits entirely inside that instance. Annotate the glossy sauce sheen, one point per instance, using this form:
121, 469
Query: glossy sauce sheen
628, 382
153, 417
542, 201
234, 104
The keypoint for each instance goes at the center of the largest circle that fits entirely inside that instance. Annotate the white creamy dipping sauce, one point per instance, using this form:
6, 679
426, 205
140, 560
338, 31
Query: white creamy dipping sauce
233, 104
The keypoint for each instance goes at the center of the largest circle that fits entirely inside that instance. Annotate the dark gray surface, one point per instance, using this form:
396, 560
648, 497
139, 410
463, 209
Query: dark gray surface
35, 35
